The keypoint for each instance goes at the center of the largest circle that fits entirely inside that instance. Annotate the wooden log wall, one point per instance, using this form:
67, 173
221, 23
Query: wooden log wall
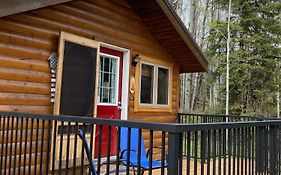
27, 40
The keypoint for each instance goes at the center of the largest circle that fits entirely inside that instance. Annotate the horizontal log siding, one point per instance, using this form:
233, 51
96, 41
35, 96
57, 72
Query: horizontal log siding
27, 40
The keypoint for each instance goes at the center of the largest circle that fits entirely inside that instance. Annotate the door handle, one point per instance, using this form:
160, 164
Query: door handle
119, 105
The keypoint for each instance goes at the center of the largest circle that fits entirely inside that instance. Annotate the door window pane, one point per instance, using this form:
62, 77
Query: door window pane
147, 72
163, 86
108, 80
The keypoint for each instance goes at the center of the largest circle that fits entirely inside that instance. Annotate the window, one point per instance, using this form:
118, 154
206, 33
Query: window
154, 83
108, 77
163, 86
147, 73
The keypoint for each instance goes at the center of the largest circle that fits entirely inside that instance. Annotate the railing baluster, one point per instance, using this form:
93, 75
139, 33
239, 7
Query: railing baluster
249, 151
163, 153
195, 151
21, 140
75, 147
118, 150
6, 145
188, 153
36, 145
238, 150
67, 146
234, 133
209, 152
266, 150
99, 147
54, 147
224, 151
202, 150
2, 141
242, 150
82, 154
220, 149
229, 149
214, 151
180, 162
128, 151
246, 151
42, 146
253, 149
185, 143
48, 146
16, 145
108, 149
11, 146
92, 127
139, 152
25, 145
30, 146
61, 146
151, 151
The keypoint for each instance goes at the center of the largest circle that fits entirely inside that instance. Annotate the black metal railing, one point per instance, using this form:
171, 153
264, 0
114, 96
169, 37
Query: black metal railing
195, 149
217, 146
47, 144
207, 118
232, 148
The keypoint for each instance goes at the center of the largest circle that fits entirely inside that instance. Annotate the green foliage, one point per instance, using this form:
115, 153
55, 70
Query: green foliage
255, 57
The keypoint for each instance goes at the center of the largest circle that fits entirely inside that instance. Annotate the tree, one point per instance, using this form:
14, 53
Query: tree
255, 54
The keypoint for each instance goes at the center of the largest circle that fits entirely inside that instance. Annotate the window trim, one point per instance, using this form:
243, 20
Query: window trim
156, 63
155, 85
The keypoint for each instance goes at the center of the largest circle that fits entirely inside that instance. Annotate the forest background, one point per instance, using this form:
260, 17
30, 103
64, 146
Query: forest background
255, 56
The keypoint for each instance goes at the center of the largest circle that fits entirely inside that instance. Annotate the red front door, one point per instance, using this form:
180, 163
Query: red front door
109, 95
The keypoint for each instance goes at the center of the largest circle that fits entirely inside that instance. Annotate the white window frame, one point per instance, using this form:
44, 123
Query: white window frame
155, 85
117, 82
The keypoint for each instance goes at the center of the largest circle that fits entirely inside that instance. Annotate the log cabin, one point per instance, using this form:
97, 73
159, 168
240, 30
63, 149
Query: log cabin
114, 59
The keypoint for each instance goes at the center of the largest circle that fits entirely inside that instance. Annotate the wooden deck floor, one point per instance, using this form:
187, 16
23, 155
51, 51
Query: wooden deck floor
204, 168
238, 167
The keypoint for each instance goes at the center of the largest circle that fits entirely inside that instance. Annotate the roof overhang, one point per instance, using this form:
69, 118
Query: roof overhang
10, 7
169, 30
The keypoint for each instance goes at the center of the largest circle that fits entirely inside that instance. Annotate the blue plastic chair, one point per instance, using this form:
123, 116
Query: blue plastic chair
144, 162
133, 161
81, 134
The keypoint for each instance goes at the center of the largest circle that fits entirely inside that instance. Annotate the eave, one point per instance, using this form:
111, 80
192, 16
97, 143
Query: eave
169, 30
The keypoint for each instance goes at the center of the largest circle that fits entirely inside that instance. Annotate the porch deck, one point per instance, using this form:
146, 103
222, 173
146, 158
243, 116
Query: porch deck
45, 144
209, 168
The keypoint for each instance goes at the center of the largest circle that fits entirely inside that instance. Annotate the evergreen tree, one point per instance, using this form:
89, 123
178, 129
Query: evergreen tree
255, 55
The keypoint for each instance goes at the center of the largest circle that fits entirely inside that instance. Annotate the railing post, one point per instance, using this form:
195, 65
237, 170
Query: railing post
259, 150
273, 149
174, 154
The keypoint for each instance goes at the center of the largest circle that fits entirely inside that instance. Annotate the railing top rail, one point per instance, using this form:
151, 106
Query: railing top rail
231, 116
226, 125
166, 127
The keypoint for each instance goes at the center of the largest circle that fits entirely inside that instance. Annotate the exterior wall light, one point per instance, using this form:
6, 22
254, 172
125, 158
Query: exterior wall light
136, 60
